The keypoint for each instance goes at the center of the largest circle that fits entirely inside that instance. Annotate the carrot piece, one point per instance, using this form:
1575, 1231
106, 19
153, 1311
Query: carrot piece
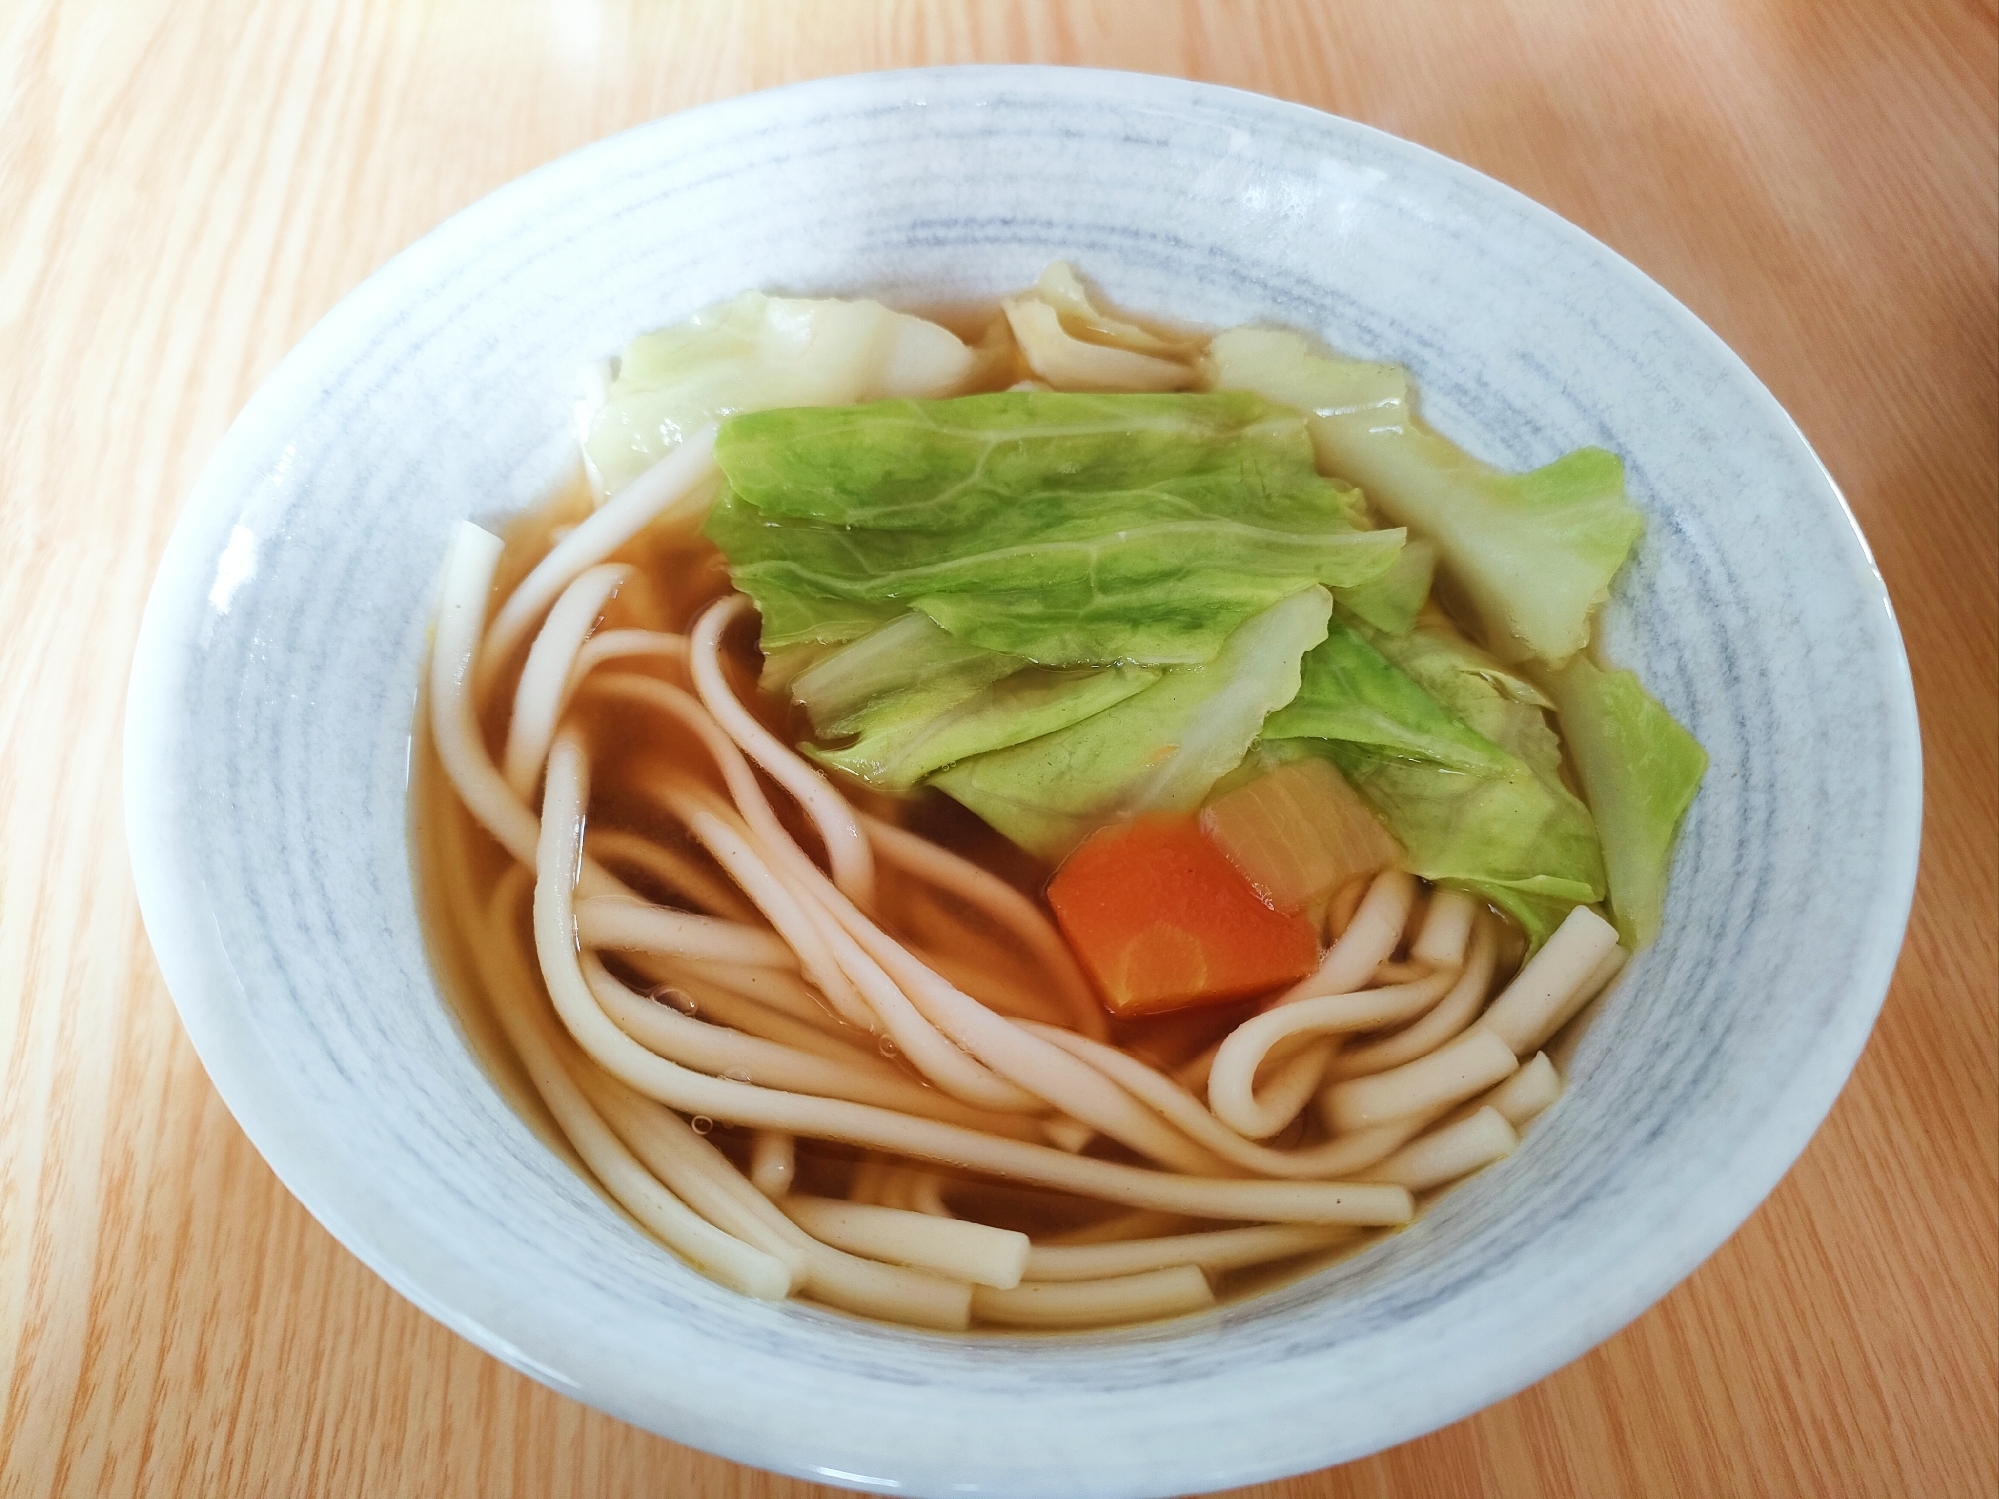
1161, 920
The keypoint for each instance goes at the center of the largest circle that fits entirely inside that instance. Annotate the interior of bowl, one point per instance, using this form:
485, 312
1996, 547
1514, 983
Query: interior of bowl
272, 704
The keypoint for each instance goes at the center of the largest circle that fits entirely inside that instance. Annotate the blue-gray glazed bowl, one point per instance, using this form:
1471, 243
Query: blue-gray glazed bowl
267, 753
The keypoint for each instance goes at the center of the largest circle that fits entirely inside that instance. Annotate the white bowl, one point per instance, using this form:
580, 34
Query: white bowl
268, 734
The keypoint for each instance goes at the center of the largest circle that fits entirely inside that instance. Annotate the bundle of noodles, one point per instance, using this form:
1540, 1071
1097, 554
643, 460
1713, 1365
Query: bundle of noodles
925, 1117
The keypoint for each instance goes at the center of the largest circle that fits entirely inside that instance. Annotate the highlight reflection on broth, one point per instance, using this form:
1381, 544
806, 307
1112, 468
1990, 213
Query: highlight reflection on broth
1004, 830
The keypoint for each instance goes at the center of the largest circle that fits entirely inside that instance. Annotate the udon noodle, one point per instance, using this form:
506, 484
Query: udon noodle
828, 1043
731, 942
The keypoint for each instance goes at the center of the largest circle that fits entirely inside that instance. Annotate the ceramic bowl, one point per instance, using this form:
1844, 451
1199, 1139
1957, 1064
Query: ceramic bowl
267, 752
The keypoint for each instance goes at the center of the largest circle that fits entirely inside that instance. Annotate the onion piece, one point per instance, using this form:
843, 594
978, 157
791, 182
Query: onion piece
1299, 833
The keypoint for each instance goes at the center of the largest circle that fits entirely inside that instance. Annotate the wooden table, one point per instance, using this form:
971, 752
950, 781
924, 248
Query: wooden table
187, 185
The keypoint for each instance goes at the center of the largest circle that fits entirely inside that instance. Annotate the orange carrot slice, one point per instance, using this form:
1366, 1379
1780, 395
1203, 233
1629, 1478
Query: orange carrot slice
1161, 920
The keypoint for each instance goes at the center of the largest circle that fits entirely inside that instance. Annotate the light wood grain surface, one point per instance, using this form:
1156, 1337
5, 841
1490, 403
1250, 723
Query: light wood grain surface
187, 185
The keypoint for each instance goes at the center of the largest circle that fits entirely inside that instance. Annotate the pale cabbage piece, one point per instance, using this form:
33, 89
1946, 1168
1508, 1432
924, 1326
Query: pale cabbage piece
1072, 344
1066, 362
896, 749
1640, 770
913, 698
1473, 812
1393, 601
1489, 698
1061, 288
1161, 750
1281, 366
1530, 556
1070, 529
908, 667
757, 353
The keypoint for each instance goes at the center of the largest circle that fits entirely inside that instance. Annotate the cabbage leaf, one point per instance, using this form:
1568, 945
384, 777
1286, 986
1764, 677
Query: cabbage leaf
1472, 812
1640, 770
900, 742
756, 352
1160, 750
1066, 529
1393, 601
906, 667
1062, 289
1487, 697
1530, 555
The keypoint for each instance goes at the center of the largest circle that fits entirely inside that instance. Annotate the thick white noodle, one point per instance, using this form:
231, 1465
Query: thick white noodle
1016, 1053
544, 682
666, 1144
860, 1124
987, 892
1523, 1097
1368, 942
635, 926
948, 1246
728, 843
889, 1008
1232, 1077
987, 987
678, 984
1446, 1019
1600, 978
721, 1052
1091, 1303
773, 1162
680, 476
672, 1151
1328, 1161
1549, 988
1448, 1153
533, 1035
1272, 1110
771, 987
847, 848
627, 645
1453, 1072
895, 1293
673, 869
1226, 1249
454, 727
763, 831
1446, 929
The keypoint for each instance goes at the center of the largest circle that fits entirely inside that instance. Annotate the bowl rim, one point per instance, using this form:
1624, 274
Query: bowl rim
182, 925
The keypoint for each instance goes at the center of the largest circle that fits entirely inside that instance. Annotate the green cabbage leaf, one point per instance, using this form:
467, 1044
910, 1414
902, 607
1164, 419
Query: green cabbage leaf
1066, 529
1530, 556
1483, 812
1159, 750
757, 352
1640, 770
